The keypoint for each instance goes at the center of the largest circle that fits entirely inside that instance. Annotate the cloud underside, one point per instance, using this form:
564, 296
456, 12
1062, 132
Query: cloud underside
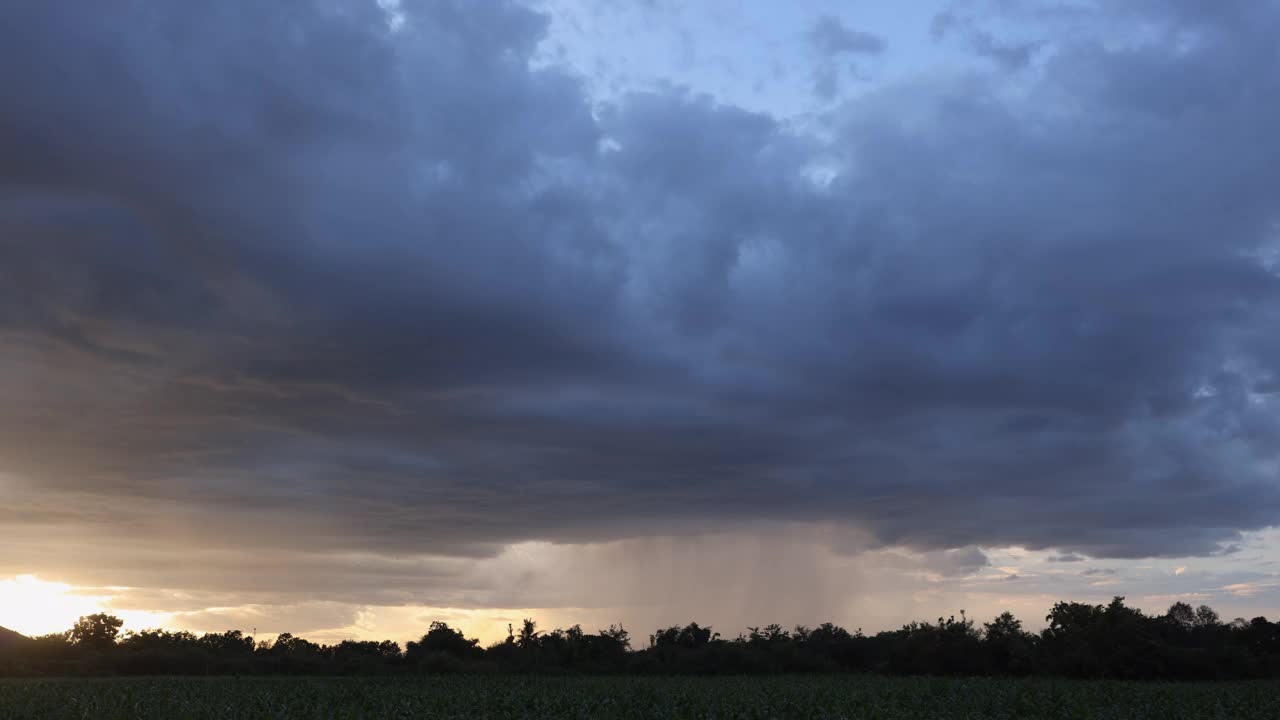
285, 280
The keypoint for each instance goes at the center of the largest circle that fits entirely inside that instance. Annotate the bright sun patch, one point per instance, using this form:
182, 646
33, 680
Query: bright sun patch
34, 607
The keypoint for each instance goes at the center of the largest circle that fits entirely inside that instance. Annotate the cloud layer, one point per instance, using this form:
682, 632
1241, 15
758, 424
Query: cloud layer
309, 289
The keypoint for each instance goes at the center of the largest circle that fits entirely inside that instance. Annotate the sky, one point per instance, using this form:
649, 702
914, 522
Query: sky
338, 317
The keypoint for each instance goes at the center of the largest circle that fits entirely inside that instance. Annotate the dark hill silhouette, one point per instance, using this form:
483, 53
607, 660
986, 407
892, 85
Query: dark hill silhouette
10, 639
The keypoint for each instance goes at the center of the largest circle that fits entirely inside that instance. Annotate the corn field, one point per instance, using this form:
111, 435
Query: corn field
630, 697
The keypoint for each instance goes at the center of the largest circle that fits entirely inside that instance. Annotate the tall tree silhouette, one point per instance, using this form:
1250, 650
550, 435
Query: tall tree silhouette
97, 631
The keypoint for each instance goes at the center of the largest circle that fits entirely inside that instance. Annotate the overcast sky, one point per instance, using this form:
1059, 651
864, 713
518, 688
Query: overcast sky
340, 316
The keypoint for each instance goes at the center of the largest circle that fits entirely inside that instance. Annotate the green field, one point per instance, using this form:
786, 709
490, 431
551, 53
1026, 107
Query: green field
602, 697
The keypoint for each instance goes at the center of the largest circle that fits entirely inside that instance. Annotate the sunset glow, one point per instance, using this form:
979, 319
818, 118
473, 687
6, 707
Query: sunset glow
36, 607
341, 319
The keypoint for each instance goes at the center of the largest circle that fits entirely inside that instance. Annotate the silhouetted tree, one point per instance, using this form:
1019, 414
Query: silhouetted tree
768, 635
229, 643
618, 635
1206, 617
351, 657
1112, 640
1009, 648
528, 635
441, 638
96, 631
690, 636
1181, 615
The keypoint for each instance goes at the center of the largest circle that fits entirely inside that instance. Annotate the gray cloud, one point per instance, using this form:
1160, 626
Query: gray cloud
961, 561
1012, 55
826, 81
277, 279
830, 36
1067, 558
832, 40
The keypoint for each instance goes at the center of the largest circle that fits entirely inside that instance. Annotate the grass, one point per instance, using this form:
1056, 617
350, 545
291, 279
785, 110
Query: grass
502, 697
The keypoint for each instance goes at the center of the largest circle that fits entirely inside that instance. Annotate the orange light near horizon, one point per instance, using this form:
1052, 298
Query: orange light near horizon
34, 607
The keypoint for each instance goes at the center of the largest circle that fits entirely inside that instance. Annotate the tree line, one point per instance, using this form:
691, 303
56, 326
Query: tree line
1080, 640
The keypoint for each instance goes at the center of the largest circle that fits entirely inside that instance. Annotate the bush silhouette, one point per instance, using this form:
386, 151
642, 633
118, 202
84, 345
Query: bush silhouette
1080, 640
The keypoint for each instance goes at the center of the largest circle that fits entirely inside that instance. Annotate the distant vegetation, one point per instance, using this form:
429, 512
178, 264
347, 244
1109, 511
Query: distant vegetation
1089, 641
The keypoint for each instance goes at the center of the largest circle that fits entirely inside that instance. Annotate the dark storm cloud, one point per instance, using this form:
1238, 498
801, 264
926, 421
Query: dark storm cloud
277, 277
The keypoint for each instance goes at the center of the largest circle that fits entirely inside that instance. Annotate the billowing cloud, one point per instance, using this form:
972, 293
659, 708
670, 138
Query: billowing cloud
355, 303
